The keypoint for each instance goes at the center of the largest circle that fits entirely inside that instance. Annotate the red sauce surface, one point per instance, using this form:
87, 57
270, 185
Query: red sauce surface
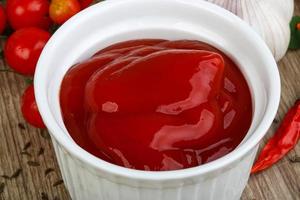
156, 104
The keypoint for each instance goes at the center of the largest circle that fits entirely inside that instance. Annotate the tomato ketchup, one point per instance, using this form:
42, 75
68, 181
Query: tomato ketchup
157, 105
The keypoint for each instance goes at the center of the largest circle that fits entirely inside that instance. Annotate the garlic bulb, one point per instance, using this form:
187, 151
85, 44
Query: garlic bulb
269, 18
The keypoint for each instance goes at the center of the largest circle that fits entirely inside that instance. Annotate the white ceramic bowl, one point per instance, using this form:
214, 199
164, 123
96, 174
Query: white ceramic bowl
90, 178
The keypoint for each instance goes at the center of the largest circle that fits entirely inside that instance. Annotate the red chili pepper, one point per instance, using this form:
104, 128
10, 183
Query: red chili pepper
284, 140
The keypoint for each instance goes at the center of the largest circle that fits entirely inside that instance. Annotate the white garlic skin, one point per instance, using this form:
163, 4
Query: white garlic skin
269, 18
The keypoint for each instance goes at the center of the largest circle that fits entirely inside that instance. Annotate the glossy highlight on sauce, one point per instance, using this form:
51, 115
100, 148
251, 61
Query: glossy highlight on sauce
157, 105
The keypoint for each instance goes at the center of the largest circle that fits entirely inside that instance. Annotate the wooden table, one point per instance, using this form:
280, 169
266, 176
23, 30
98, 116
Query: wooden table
29, 171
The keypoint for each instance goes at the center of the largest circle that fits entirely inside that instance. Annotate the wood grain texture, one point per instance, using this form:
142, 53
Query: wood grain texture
29, 171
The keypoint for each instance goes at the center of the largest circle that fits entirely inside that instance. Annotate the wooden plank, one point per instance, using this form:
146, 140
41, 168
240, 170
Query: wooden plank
30, 182
283, 180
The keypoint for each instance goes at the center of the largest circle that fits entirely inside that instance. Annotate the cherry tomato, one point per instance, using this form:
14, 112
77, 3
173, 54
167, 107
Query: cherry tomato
30, 110
62, 10
85, 3
23, 48
2, 19
28, 13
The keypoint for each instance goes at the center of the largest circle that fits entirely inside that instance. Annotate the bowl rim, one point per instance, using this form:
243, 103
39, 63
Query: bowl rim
98, 164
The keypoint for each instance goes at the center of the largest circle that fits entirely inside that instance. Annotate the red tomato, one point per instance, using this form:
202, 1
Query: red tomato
85, 3
62, 10
23, 48
30, 110
28, 13
2, 19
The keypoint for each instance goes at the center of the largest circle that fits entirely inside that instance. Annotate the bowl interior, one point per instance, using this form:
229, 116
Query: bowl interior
114, 21
256, 86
